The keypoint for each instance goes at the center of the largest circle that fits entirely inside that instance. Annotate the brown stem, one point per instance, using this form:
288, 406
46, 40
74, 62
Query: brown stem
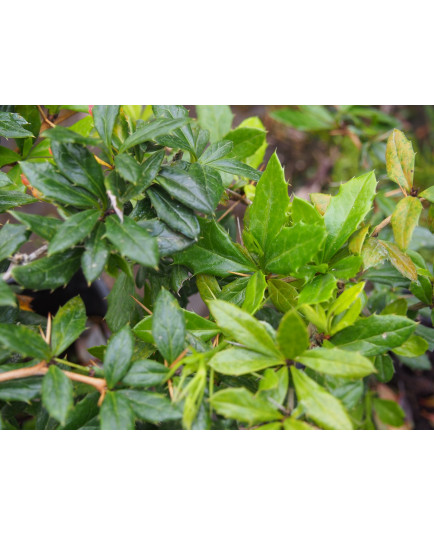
229, 210
381, 225
44, 117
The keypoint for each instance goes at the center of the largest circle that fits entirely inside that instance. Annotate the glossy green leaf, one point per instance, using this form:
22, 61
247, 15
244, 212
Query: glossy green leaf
405, 219
128, 168
116, 412
54, 187
176, 215
255, 291
245, 141
292, 335
7, 296
318, 404
319, 290
375, 335
214, 253
347, 211
400, 160
57, 394
235, 292
11, 199
145, 373
148, 172
121, 307
304, 211
283, 295
414, 346
216, 151
24, 341
217, 119
385, 368
267, 214
95, 254
422, 289
152, 130
199, 188
68, 135
293, 247
241, 327
235, 167
68, 324
48, 272
11, 126
294, 424
389, 412
78, 164
43, 226
337, 362
208, 287
238, 361
73, 230
152, 407
400, 260
346, 268
346, 299
104, 118
241, 405
83, 412
117, 358
23, 390
169, 241
11, 238
168, 326
132, 240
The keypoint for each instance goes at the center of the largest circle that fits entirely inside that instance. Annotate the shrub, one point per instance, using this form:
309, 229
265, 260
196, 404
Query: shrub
308, 310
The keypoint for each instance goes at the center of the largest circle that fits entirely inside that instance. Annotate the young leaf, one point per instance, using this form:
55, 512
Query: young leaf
293, 247
428, 194
57, 394
152, 407
254, 293
319, 405
404, 220
48, 272
282, 294
132, 240
304, 211
168, 326
319, 290
375, 335
346, 268
78, 164
337, 362
347, 210
241, 405
118, 356
356, 242
217, 119
238, 361
245, 141
292, 335
116, 412
389, 412
346, 299
242, 327
400, 160
268, 213
176, 215
24, 341
68, 324
73, 230
321, 202
104, 118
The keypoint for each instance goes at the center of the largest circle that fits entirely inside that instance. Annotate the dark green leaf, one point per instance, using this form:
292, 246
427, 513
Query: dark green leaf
238, 361
385, 368
145, 373
68, 324
132, 240
67, 135
116, 412
95, 254
43, 226
152, 130
236, 168
118, 356
11, 199
255, 291
24, 341
216, 151
246, 141
48, 272
168, 241
319, 290
168, 326
148, 172
57, 394
128, 168
104, 118
83, 412
152, 407
23, 390
7, 297
122, 309
11, 126
11, 238
73, 230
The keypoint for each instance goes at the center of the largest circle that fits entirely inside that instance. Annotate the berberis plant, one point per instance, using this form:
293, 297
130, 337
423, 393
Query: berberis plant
308, 311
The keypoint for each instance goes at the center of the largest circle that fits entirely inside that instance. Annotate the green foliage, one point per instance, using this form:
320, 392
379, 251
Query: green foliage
314, 305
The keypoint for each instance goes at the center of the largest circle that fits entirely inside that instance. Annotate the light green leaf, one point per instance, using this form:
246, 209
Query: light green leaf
238, 361
347, 211
346, 299
318, 404
208, 287
57, 394
356, 242
246, 141
241, 405
304, 211
414, 346
428, 194
283, 295
292, 335
294, 424
242, 327
268, 212
400, 160
389, 412
217, 119
255, 291
400, 260
309, 118
68, 324
319, 290
404, 220
337, 362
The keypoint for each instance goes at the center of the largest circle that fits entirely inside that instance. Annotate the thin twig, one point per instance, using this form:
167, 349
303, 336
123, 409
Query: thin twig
391, 193
239, 273
229, 210
238, 196
22, 259
44, 117
178, 359
141, 305
381, 225
169, 384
